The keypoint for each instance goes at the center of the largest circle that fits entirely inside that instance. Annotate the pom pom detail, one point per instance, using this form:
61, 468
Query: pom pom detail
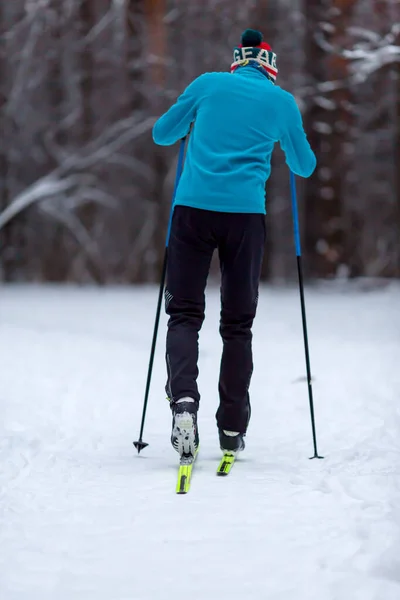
251, 37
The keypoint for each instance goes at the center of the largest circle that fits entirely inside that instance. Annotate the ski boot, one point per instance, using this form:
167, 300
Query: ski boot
185, 434
231, 442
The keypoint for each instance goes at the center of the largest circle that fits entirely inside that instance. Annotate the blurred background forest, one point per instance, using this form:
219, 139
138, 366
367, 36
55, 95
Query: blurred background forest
84, 192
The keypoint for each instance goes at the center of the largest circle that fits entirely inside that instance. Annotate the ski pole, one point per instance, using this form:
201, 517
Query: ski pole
303, 306
140, 444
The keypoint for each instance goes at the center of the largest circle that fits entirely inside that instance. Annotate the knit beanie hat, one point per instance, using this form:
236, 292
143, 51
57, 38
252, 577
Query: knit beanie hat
253, 49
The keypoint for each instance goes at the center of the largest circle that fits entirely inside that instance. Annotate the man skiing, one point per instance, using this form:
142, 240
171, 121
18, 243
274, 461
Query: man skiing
236, 119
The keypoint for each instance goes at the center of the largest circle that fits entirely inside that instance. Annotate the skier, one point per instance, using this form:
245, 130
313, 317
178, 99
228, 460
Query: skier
236, 118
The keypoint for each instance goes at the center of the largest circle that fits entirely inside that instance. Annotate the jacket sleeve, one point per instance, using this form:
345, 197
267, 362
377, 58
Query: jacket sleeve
175, 123
299, 155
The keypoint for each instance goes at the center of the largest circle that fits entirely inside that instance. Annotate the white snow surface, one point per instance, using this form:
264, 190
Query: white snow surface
83, 517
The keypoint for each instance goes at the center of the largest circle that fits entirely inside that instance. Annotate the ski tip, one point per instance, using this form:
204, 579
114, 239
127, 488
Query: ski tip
140, 446
185, 474
183, 483
181, 491
221, 474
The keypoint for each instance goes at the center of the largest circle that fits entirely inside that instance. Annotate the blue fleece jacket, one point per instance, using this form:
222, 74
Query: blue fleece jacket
237, 118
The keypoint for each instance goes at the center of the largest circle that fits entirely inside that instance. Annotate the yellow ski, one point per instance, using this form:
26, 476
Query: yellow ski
185, 474
226, 464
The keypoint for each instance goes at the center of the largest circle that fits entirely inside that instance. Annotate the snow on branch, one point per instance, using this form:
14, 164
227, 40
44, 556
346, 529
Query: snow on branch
40, 190
113, 140
366, 34
70, 175
367, 62
373, 52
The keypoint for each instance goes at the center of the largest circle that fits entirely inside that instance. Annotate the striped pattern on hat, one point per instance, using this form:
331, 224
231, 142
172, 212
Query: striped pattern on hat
253, 48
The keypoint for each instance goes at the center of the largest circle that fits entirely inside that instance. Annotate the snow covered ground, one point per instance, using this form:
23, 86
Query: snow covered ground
82, 517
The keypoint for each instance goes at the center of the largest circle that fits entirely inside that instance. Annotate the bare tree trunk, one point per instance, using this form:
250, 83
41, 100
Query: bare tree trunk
55, 76
397, 159
329, 121
396, 15
157, 40
86, 63
383, 232
4, 196
376, 250
12, 236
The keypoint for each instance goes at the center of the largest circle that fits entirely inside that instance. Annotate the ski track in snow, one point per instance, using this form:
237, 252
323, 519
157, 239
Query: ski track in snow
82, 517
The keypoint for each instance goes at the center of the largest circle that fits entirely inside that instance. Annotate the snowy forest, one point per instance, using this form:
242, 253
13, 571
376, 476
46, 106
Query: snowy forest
84, 192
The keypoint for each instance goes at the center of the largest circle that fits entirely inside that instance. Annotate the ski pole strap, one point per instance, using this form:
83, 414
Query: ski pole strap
295, 213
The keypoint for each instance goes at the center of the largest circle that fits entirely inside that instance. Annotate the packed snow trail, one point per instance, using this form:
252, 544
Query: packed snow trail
82, 517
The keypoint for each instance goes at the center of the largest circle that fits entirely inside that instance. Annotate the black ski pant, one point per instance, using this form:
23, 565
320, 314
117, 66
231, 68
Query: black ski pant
240, 240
